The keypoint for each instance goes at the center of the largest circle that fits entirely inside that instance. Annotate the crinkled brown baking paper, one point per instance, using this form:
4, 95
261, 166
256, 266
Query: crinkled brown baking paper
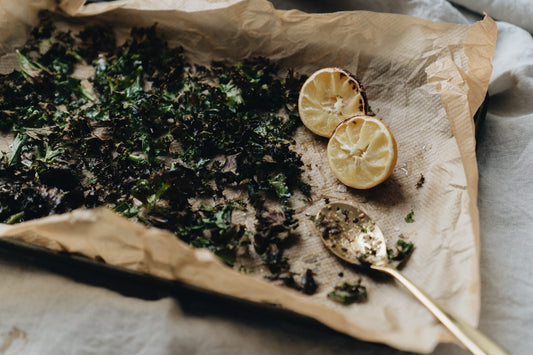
423, 79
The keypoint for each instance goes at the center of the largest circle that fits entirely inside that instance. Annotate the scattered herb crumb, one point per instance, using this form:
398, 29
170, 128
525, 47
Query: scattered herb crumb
306, 285
348, 293
309, 285
410, 217
420, 181
401, 252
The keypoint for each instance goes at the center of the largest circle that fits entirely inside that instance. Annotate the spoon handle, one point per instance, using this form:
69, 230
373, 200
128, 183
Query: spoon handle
469, 336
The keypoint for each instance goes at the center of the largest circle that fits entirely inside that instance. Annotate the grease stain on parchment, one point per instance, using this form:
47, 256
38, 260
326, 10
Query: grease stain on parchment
15, 340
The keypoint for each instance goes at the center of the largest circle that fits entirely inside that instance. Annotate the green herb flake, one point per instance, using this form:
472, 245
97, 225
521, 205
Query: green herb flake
401, 252
410, 217
348, 293
16, 149
29, 69
126, 209
14, 218
233, 94
279, 184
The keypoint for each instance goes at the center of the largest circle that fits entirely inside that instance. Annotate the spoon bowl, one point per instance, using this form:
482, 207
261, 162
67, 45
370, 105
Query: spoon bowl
353, 236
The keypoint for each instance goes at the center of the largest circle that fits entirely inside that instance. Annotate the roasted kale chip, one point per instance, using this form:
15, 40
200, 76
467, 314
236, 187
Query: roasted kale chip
348, 293
401, 252
148, 133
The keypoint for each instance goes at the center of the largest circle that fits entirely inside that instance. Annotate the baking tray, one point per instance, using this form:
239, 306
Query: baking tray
122, 280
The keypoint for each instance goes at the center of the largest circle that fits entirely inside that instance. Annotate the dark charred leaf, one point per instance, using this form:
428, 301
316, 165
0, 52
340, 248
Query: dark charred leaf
152, 134
97, 40
309, 285
62, 178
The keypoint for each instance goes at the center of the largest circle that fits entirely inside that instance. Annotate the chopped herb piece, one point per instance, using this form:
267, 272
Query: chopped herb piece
309, 285
126, 209
401, 252
52, 154
280, 186
200, 242
420, 181
348, 293
16, 149
14, 218
233, 94
28, 69
410, 217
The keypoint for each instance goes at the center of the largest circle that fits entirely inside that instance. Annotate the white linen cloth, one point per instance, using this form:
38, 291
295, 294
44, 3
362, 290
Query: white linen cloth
518, 12
45, 313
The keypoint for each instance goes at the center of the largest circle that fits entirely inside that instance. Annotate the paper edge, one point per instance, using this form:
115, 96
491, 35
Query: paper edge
463, 128
77, 8
214, 276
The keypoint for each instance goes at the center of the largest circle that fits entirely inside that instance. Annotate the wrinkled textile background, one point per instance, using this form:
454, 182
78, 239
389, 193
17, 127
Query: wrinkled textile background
48, 314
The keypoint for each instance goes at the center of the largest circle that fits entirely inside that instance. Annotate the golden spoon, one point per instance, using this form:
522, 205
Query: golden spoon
350, 234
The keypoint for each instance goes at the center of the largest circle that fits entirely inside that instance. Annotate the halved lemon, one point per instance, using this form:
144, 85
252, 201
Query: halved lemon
362, 152
328, 97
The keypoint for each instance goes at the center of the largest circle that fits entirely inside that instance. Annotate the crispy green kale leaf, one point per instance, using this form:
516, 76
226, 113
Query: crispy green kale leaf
348, 293
149, 133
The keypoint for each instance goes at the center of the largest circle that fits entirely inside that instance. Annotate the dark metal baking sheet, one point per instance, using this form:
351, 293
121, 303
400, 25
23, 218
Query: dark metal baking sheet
122, 280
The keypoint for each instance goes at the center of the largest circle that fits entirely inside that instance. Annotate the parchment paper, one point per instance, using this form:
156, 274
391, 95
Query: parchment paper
424, 80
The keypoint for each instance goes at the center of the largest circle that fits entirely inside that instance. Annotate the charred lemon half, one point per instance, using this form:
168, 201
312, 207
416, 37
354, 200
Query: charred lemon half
328, 97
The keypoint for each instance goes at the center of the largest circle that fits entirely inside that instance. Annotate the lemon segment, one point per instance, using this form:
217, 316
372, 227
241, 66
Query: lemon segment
362, 152
328, 97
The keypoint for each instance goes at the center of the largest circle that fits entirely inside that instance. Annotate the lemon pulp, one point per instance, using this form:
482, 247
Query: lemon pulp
362, 152
328, 97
